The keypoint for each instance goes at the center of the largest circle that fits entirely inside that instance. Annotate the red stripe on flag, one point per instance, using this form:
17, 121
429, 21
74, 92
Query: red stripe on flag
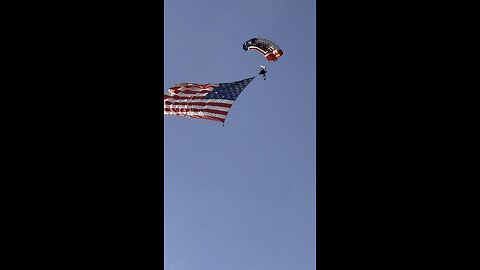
216, 104
184, 98
195, 110
191, 92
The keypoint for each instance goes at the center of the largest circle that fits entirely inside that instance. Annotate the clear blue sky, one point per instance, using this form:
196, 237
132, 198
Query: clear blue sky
242, 196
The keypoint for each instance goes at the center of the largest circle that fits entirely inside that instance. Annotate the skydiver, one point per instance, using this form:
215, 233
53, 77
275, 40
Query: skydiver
263, 72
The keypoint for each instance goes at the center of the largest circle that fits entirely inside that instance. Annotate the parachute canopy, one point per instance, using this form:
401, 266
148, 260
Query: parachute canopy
269, 49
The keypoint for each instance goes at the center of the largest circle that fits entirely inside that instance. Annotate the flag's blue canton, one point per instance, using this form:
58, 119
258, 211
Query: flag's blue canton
229, 91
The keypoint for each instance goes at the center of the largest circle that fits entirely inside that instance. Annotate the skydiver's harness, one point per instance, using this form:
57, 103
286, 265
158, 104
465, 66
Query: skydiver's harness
263, 72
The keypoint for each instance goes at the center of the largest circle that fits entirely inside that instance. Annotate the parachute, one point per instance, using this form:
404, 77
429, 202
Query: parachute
269, 49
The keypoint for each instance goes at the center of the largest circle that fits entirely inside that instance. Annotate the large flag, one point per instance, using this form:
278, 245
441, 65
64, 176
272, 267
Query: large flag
205, 101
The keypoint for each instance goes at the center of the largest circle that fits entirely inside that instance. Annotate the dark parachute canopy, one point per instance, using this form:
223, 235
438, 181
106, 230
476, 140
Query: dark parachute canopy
269, 49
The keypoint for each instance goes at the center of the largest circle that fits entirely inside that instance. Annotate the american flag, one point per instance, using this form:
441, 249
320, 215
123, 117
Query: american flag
204, 101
